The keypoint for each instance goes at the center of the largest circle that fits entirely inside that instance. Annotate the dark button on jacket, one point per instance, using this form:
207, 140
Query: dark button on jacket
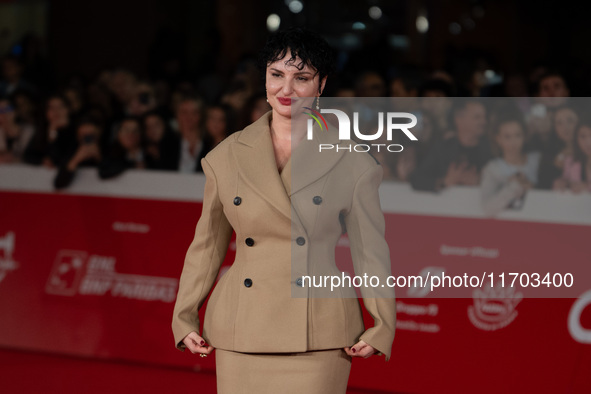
300, 241
317, 200
249, 241
247, 282
237, 200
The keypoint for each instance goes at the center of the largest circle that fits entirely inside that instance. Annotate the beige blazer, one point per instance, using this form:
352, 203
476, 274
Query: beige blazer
286, 225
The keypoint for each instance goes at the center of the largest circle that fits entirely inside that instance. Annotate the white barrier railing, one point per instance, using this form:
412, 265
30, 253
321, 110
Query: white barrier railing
460, 201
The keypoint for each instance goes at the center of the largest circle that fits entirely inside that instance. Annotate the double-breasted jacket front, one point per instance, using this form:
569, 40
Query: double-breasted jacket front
287, 225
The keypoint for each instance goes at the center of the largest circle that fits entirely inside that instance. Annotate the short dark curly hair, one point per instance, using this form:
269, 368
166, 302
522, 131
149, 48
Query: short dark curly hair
310, 47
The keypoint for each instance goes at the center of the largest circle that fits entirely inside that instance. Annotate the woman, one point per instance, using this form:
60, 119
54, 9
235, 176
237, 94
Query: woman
52, 138
506, 179
576, 175
560, 148
14, 136
161, 150
267, 340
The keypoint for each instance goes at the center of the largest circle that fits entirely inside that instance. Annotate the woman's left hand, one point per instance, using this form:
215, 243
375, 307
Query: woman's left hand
360, 349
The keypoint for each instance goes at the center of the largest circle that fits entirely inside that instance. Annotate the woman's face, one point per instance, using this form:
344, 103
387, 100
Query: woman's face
154, 128
286, 84
510, 138
565, 123
216, 122
584, 140
57, 112
129, 134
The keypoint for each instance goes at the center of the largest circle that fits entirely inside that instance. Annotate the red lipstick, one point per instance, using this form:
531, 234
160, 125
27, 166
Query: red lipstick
284, 100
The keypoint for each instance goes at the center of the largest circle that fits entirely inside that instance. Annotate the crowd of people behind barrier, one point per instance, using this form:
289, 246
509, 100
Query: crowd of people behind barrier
535, 137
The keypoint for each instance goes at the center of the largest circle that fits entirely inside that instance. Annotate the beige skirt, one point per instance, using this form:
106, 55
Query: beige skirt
319, 371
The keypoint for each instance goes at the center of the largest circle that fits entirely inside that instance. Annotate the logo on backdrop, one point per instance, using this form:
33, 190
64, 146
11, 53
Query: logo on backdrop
576, 329
74, 272
494, 308
389, 125
7, 264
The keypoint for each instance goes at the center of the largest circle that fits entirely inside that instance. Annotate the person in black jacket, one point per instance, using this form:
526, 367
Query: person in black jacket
50, 141
161, 143
189, 117
125, 152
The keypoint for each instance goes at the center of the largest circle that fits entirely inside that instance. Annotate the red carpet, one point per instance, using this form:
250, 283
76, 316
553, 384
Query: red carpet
27, 372
24, 372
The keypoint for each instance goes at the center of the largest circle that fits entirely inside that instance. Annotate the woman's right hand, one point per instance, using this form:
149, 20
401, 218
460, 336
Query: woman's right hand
196, 344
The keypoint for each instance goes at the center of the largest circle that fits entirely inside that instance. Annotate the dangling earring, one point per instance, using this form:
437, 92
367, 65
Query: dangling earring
317, 103
266, 95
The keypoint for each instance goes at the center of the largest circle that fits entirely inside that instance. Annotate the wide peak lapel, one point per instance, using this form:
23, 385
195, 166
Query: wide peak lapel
257, 166
308, 163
